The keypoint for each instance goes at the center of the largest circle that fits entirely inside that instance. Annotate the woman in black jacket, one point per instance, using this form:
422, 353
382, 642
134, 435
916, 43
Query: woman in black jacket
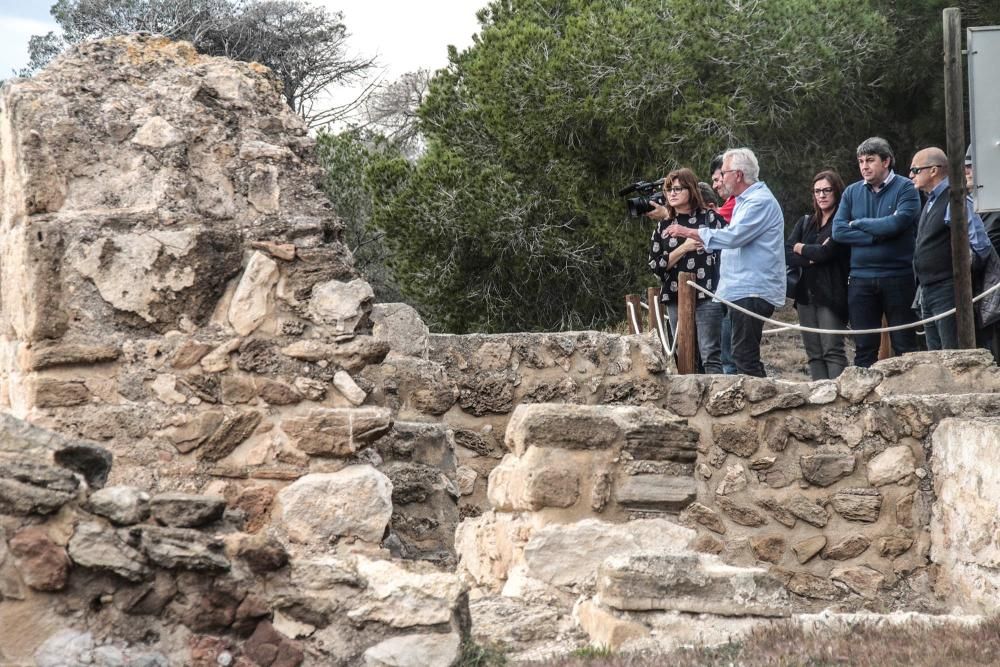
821, 293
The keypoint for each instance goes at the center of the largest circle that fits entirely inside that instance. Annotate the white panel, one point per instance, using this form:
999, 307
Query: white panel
984, 112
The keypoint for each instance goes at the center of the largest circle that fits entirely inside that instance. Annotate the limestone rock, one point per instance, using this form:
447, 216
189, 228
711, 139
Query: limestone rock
157, 133
52, 393
780, 402
689, 583
237, 389
822, 392
487, 546
43, 564
346, 385
356, 501
250, 304
858, 504
669, 493
217, 360
739, 439
685, 393
606, 629
336, 432
568, 555
46, 354
807, 510
740, 513
399, 325
777, 510
229, 435
861, 579
34, 488
341, 305
895, 464
725, 400
466, 478
768, 548
405, 595
892, 546
734, 481
275, 392
123, 505
855, 383
826, 467
191, 435
262, 554
538, 479
806, 549
95, 546
183, 548
849, 547
812, 586
704, 516
418, 650
186, 510
352, 355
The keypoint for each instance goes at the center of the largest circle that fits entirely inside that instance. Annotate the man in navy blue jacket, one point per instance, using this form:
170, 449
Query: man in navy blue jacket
877, 218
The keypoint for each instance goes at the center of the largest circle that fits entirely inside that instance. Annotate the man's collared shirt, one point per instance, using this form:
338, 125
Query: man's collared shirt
887, 181
753, 248
978, 240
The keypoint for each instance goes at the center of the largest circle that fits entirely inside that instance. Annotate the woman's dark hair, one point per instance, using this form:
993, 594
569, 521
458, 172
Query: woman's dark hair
689, 182
838, 189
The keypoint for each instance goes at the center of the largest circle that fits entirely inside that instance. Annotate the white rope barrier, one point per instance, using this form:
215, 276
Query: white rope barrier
784, 326
635, 322
668, 349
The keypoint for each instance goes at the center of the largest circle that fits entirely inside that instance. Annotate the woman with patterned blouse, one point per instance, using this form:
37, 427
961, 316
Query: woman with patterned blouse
669, 256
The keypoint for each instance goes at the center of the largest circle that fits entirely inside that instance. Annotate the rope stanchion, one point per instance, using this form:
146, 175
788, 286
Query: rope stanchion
668, 348
784, 326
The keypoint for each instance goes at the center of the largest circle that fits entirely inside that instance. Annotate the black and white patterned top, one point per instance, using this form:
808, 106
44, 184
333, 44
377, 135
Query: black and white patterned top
703, 264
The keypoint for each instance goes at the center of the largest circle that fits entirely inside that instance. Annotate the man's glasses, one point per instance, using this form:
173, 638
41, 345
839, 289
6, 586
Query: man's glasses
822, 191
917, 170
676, 191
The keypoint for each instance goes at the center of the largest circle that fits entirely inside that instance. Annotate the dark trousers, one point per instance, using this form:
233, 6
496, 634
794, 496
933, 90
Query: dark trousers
747, 333
868, 300
935, 299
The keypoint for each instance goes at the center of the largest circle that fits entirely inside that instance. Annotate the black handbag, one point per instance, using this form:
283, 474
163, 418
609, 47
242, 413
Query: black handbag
793, 274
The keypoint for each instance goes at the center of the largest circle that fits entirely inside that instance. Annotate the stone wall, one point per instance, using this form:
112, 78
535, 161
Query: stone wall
827, 485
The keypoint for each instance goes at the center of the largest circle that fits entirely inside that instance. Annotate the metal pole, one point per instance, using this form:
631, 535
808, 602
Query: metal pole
955, 128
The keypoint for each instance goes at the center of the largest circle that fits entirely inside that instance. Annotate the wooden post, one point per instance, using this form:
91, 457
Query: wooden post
885, 344
634, 325
686, 335
652, 295
955, 131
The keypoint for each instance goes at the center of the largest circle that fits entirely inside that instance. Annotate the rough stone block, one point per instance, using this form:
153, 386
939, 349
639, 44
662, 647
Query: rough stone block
667, 493
356, 501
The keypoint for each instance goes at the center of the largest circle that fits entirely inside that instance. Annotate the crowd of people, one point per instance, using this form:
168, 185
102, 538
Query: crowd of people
877, 250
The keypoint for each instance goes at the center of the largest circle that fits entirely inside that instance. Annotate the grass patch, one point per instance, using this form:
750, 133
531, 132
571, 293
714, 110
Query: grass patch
593, 652
479, 655
865, 645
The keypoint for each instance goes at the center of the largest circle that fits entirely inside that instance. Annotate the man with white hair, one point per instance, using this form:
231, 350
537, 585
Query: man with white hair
753, 255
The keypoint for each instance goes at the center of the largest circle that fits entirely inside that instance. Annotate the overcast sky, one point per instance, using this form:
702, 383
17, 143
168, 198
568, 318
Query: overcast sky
405, 35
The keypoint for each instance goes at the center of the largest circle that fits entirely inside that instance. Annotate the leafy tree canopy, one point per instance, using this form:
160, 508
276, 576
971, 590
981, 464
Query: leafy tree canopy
510, 220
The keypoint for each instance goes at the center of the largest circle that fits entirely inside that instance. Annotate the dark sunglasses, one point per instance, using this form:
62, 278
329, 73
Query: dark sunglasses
917, 170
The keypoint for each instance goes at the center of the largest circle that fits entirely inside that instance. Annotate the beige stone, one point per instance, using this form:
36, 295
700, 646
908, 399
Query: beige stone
826, 467
336, 431
739, 439
340, 305
165, 388
263, 191
806, 549
488, 545
406, 594
734, 481
861, 579
863, 504
47, 354
704, 516
895, 464
355, 502
399, 325
348, 388
157, 133
604, 628
848, 547
217, 360
416, 650
251, 302
540, 478
237, 389
53, 393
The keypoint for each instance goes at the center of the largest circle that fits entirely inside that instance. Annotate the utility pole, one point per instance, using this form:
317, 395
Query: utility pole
955, 127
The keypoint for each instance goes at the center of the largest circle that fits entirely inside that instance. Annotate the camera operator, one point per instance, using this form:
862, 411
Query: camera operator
670, 255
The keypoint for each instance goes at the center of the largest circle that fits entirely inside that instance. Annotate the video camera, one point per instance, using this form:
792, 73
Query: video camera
648, 193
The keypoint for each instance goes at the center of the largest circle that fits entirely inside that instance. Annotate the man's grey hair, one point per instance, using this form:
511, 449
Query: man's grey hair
877, 146
743, 159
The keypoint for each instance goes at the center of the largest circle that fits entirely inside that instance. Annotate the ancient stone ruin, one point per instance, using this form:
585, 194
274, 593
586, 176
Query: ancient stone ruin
215, 449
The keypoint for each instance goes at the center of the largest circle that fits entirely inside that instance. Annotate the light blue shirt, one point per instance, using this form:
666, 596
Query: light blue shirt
753, 248
978, 240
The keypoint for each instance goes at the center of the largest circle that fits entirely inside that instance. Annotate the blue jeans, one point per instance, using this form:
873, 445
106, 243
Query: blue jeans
708, 325
747, 332
868, 299
935, 299
728, 367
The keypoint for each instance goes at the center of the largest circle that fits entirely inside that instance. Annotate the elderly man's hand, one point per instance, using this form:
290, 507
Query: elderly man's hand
684, 232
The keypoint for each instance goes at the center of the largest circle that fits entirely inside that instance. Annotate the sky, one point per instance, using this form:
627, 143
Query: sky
405, 34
